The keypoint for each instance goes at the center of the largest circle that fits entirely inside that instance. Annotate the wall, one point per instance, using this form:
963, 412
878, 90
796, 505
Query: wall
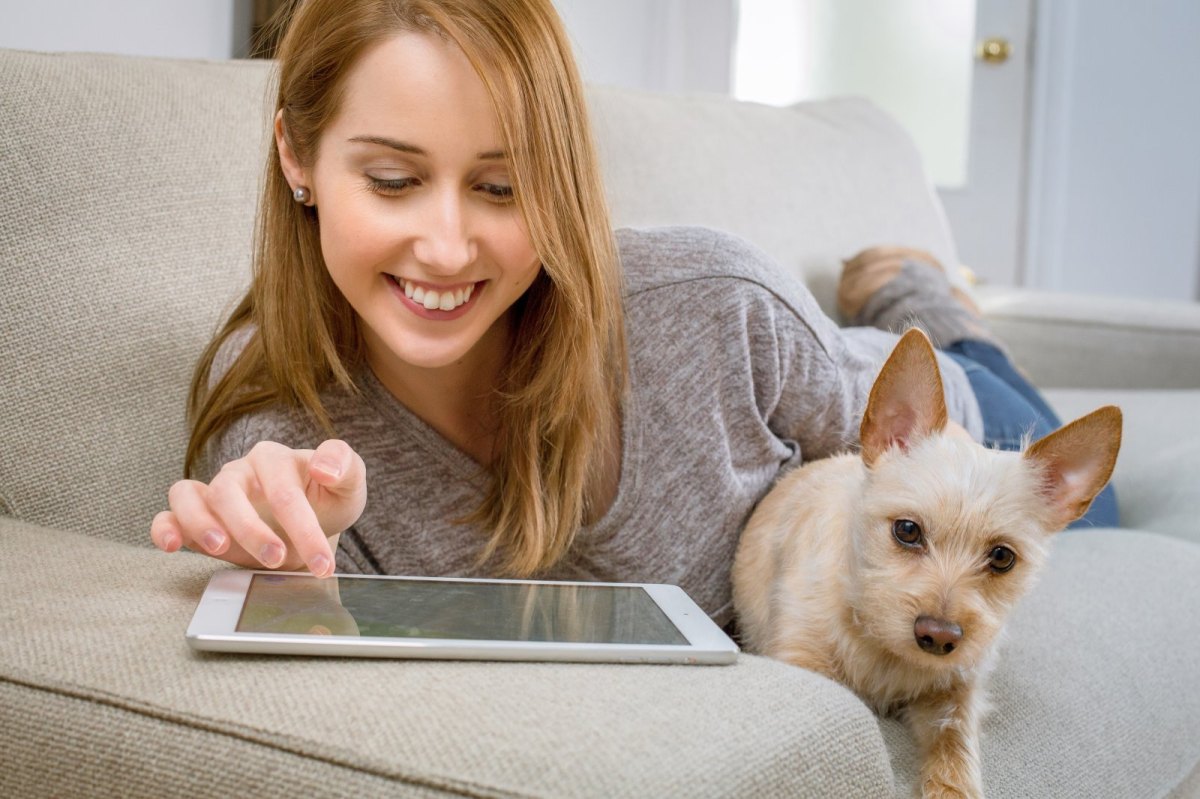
1113, 203
212, 29
660, 45
1111, 200
913, 58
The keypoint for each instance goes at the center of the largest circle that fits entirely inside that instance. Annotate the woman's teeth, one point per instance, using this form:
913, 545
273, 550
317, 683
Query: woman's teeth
431, 299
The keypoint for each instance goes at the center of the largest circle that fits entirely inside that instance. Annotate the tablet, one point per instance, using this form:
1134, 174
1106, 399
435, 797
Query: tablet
454, 618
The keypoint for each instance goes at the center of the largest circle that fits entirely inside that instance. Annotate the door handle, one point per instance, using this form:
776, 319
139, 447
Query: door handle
994, 50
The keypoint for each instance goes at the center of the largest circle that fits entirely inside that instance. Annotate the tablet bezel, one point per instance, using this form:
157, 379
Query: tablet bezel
213, 628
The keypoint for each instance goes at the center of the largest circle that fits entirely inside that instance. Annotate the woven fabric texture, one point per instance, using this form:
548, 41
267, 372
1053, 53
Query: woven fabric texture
127, 196
1093, 696
1099, 342
1156, 474
810, 186
91, 636
1086, 703
62, 744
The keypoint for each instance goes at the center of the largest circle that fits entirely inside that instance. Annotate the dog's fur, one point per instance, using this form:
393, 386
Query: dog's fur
823, 580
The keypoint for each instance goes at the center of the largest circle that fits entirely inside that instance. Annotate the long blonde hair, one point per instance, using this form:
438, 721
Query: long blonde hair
561, 390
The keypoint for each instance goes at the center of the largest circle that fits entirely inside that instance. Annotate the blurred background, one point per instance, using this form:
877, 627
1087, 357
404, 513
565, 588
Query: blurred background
1061, 135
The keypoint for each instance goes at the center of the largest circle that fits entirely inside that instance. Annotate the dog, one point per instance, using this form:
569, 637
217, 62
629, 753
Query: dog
892, 570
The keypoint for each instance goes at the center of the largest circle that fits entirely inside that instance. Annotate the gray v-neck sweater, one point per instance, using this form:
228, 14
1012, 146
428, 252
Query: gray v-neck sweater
735, 376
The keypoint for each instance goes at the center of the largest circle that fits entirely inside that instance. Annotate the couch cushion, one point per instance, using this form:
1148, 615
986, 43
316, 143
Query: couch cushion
1156, 479
1101, 705
127, 196
1081, 341
811, 185
1096, 692
93, 659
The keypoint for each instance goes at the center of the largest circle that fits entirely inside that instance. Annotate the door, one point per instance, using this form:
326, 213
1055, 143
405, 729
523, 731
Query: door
1114, 195
986, 212
916, 59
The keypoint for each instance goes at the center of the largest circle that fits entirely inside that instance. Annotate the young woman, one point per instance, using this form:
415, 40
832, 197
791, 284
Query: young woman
442, 320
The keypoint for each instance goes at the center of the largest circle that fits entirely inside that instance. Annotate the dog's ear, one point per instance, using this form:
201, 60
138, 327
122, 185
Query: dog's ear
906, 402
1076, 462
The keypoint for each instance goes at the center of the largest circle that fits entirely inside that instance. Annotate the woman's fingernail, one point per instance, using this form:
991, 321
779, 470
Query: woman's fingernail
328, 466
171, 541
212, 541
272, 555
319, 565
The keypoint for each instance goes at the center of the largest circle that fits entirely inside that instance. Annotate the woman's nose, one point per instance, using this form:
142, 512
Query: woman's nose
445, 245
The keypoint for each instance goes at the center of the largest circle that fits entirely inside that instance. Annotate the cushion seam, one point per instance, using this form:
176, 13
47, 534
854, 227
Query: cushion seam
248, 734
1169, 332
1184, 777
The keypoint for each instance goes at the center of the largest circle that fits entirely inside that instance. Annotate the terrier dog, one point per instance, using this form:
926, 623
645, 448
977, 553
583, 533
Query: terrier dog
892, 571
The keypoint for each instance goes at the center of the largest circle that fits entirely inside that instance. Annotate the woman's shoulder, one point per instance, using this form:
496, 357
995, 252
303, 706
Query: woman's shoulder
229, 350
659, 257
700, 263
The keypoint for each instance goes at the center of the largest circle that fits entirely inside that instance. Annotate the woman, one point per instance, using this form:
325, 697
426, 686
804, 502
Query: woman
523, 393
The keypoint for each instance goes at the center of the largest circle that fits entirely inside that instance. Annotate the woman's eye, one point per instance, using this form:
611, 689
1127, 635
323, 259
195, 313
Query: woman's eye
1001, 559
496, 191
908, 533
390, 185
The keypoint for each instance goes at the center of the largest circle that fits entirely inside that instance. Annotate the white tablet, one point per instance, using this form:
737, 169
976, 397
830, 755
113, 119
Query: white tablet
449, 618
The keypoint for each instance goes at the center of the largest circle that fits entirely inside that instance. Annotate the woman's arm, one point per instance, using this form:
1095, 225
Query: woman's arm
261, 503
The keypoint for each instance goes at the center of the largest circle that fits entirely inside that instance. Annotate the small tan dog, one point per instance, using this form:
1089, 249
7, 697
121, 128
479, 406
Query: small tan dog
893, 571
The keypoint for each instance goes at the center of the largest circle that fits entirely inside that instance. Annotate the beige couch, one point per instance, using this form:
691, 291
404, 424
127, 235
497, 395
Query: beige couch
127, 192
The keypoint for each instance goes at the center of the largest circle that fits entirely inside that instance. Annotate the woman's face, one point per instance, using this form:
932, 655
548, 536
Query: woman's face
418, 224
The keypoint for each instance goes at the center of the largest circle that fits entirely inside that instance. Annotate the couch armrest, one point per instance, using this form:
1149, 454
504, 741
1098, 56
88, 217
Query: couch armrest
1072, 341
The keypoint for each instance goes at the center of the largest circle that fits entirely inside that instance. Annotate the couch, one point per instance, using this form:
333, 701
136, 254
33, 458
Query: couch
127, 195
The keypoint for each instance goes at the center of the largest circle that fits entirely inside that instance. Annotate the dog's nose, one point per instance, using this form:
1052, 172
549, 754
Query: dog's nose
937, 636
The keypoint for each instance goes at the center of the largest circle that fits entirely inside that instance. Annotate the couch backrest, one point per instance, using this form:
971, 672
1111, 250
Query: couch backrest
811, 184
127, 196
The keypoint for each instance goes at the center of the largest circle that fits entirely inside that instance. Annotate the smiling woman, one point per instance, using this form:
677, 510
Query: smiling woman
519, 389
405, 212
428, 208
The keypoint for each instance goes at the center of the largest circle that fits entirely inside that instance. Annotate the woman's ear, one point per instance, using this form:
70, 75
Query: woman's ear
295, 174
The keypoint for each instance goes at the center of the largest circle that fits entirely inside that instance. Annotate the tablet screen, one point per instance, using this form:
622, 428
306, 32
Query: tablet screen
279, 603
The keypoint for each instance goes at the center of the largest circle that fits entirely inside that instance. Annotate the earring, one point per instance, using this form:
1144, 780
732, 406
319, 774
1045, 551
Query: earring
302, 194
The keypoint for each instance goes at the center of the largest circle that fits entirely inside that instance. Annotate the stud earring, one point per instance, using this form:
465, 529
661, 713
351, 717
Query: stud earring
302, 194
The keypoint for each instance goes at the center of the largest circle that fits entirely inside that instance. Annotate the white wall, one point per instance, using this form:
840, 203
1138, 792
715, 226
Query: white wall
660, 45
213, 29
913, 58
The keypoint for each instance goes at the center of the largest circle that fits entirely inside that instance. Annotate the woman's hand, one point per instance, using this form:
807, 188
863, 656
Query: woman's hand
276, 507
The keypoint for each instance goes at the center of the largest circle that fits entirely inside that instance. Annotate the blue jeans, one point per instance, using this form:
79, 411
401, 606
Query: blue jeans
1012, 409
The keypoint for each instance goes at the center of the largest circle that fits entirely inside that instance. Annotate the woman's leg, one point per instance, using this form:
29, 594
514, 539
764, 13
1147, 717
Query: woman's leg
893, 288
1014, 414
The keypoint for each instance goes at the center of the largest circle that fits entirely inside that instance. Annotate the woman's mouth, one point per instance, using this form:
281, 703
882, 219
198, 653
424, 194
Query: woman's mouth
445, 303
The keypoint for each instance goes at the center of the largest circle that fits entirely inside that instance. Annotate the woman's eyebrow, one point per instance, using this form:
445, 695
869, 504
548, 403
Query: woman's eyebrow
405, 147
395, 144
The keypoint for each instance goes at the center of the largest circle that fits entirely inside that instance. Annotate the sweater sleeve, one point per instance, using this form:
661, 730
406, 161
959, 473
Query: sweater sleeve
272, 424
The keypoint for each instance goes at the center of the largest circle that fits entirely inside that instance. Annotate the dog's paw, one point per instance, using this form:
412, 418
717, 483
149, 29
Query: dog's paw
945, 787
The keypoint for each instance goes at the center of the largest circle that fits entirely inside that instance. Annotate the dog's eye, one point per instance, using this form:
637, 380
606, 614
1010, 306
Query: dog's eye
907, 532
1001, 559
